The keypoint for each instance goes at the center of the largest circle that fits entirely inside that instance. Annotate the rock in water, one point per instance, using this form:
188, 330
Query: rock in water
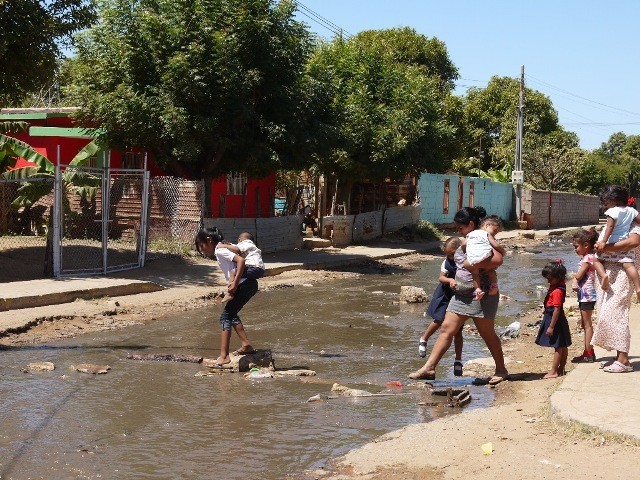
40, 367
410, 294
165, 357
93, 369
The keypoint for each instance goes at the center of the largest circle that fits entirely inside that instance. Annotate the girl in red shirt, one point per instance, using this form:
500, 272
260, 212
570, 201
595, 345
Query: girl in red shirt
554, 329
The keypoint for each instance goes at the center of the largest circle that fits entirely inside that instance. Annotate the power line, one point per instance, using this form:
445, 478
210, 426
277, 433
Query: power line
322, 21
581, 97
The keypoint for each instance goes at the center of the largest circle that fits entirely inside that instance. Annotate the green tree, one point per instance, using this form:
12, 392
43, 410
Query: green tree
614, 145
616, 161
31, 38
390, 108
550, 162
208, 86
490, 115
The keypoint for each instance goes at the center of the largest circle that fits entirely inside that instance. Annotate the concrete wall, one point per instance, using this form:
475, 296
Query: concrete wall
367, 226
397, 217
346, 229
271, 234
339, 228
495, 197
559, 209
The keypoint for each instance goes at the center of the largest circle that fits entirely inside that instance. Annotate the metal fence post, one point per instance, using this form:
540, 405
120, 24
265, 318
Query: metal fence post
106, 193
143, 219
57, 222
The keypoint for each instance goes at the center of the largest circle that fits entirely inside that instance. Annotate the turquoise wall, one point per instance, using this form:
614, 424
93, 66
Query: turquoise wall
495, 197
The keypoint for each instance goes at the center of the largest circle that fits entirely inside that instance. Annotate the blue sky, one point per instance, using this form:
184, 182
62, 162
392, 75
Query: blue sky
583, 54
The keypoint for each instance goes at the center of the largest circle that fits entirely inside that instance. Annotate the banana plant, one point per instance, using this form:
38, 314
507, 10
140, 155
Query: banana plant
29, 192
503, 175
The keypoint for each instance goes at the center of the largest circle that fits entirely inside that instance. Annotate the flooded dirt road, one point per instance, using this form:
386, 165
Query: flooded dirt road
157, 420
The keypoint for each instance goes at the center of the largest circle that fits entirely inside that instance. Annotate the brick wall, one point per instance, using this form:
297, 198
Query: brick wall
559, 209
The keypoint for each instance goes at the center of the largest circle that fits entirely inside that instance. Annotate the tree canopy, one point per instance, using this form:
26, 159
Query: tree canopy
490, 114
208, 86
32, 33
390, 109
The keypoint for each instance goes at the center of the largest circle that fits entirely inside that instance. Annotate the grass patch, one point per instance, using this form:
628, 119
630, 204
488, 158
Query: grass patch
171, 246
423, 231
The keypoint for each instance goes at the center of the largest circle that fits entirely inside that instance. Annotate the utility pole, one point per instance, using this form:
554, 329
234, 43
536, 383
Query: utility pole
517, 176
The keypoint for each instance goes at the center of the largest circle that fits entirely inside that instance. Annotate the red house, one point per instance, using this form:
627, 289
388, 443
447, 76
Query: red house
52, 133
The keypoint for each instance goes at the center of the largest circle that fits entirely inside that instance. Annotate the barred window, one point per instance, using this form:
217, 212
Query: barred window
445, 197
133, 160
236, 183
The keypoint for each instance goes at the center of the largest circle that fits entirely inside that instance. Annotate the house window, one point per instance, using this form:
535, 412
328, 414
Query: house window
445, 197
236, 184
472, 200
133, 160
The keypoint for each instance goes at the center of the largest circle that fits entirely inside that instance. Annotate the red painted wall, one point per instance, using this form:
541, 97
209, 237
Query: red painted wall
258, 202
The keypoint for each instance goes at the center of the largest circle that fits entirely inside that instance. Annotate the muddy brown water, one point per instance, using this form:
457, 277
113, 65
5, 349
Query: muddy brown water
156, 420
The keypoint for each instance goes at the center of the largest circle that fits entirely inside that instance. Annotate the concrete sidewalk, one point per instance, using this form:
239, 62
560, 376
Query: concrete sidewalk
35, 293
158, 275
609, 402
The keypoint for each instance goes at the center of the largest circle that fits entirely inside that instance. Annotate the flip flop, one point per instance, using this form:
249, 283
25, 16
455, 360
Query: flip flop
496, 379
617, 367
243, 351
457, 368
422, 376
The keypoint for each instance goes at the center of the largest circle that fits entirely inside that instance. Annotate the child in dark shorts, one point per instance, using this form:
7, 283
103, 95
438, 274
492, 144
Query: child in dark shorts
440, 301
584, 284
554, 329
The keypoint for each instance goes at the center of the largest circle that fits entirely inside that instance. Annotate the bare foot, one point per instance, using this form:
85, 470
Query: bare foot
222, 360
227, 298
604, 283
551, 375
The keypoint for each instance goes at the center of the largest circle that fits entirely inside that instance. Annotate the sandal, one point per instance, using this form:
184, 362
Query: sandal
606, 363
417, 375
457, 368
422, 348
586, 357
496, 379
244, 351
617, 367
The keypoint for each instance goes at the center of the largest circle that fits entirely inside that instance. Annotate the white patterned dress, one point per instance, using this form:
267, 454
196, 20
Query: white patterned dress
612, 330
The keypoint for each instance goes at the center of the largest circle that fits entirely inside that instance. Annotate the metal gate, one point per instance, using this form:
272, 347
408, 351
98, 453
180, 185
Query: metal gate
100, 220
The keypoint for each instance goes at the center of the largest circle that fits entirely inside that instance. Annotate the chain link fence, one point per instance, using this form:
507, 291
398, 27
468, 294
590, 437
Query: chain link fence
173, 219
23, 230
175, 211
